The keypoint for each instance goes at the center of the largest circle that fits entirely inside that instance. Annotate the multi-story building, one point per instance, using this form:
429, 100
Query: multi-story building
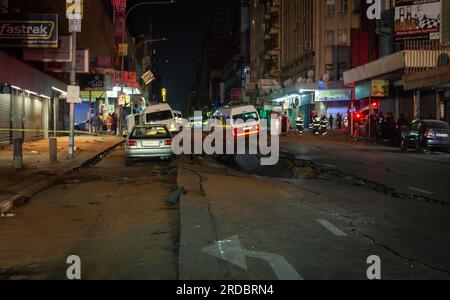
300, 50
333, 22
221, 45
446, 22
265, 45
298, 39
413, 65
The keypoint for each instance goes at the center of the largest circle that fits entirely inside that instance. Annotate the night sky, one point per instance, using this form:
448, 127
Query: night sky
184, 24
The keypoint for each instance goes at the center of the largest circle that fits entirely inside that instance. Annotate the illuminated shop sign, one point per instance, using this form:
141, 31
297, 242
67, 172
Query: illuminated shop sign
333, 95
29, 31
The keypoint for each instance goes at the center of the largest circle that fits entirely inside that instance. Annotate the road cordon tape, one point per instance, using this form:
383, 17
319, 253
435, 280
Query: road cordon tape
53, 131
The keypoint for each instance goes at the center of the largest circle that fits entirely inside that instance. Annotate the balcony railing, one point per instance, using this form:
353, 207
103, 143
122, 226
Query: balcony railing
422, 56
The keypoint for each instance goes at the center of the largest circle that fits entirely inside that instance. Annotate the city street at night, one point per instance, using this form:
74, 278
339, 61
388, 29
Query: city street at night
118, 221
224, 147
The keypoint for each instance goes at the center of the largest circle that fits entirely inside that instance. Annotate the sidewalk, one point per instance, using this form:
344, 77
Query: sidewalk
38, 173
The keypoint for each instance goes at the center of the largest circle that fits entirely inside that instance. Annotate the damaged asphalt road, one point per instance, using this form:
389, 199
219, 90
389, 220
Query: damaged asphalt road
286, 216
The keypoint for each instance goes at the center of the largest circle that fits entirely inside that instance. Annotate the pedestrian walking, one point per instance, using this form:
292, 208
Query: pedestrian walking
109, 123
339, 121
391, 127
331, 120
114, 123
96, 123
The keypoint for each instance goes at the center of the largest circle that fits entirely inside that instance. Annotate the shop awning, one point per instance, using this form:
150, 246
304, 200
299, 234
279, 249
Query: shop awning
375, 69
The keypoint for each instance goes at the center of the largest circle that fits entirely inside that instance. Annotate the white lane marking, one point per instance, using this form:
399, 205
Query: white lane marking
330, 227
420, 191
285, 194
231, 251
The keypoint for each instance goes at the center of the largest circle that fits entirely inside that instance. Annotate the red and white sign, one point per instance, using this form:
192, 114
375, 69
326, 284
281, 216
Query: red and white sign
119, 5
129, 79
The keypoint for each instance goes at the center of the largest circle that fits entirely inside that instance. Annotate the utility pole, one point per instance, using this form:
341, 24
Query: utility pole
72, 105
74, 12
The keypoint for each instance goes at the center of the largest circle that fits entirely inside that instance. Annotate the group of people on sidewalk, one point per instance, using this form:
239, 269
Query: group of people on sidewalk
339, 124
384, 128
106, 123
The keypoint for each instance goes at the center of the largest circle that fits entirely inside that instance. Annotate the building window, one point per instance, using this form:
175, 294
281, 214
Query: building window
330, 38
341, 69
331, 7
343, 36
330, 71
344, 7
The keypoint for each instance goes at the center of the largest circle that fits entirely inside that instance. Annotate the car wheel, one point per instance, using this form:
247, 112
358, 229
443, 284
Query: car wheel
421, 149
128, 162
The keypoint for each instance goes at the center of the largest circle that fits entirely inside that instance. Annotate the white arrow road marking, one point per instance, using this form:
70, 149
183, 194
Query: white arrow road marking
420, 191
330, 227
231, 251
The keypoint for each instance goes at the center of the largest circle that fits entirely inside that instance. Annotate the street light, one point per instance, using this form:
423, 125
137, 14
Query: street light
124, 27
123, 42
146, 42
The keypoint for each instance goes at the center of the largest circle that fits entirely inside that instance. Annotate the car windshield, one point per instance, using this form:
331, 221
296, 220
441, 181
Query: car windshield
150, 133
159, 116
437, 125
246, 116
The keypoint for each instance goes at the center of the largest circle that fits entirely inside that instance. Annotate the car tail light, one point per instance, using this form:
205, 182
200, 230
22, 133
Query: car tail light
235, 132
169, 143
132, 143
258, 128
428, 134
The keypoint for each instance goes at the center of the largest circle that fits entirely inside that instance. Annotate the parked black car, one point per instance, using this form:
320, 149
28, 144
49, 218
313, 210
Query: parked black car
427, 135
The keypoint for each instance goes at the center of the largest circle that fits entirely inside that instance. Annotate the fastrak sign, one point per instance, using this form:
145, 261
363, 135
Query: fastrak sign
29, 30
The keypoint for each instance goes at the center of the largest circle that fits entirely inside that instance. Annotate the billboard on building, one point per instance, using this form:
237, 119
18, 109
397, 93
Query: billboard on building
29, 30
380, 88
417, 20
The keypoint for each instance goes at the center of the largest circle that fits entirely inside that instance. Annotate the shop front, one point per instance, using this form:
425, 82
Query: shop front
27, 101
334, 102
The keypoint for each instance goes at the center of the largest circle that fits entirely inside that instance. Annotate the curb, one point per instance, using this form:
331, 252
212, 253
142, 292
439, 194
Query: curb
24, 195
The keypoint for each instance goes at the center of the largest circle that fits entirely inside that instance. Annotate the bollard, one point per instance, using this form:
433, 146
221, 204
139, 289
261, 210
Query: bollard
53, 149
18, 156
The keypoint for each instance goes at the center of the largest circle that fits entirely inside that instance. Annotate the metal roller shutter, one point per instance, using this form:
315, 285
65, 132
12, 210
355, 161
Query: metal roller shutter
5, 119
33, 118
17, 113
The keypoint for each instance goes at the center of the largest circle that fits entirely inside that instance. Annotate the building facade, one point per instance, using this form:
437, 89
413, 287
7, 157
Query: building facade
300, 50
34, 81
446, 22
414, 68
